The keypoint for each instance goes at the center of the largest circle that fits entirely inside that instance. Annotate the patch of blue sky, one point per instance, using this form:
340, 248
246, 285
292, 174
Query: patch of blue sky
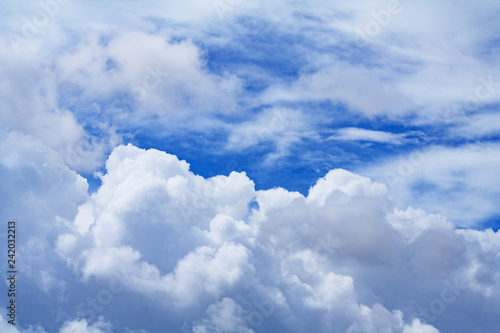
492, 222
93, 181
207, 158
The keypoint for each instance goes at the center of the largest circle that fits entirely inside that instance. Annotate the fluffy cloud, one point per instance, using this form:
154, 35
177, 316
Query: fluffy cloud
31, 104
81, 326
224, 316
42, 195
341, 259
159, 75
37, 186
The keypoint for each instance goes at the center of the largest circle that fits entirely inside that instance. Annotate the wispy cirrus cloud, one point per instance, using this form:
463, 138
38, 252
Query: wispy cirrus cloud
361, 134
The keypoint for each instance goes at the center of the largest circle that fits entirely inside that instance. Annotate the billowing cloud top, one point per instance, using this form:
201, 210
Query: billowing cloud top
215, 255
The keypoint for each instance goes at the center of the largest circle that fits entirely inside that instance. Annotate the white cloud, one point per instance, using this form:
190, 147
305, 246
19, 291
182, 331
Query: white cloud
223, 317
341, 182
37, 186
412, 222
418, 327
361, 134
331, 260
208, 270
410, 63
30, 104
41, 194
459, 183
342, 258
162, 76
81, 326
74, 326
330, 291
477, 126
281, 127
84, 218
362, 89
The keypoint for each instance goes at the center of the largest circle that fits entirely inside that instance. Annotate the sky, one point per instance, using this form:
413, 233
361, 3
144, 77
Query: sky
256, 166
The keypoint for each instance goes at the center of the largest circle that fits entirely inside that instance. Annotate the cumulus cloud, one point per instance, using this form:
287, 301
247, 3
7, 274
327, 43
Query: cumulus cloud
82, 326
33, 171
42, 195
341, 259
223, 316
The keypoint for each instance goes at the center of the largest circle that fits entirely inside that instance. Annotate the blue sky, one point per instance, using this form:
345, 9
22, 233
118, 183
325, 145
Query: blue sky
230, 166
